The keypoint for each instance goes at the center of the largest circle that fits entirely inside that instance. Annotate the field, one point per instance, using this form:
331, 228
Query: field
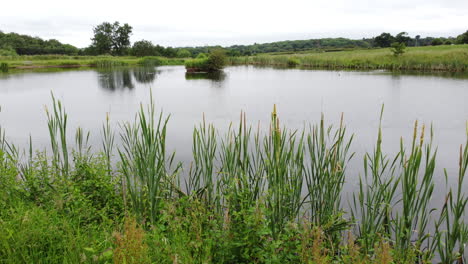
247, 197
433, 58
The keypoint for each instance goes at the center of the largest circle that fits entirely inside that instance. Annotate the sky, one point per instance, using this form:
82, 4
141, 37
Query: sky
179, 23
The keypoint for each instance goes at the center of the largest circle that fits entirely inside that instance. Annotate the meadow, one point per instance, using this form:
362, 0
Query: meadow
247, 196
431, 58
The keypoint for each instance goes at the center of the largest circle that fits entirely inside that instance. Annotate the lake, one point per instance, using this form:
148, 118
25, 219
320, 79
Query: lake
300, 95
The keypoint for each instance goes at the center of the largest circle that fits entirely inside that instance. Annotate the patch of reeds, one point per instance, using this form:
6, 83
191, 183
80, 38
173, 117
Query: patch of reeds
108, 63
454, 59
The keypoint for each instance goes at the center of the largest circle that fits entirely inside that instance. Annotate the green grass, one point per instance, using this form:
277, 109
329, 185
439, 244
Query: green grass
82, 61
248, 197
434, 58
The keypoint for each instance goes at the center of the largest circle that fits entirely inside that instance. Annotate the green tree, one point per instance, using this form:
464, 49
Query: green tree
111, 38
216, 60
402, 37
184, 53
437, 42
143, 48
398, 48
463, 38
384, 40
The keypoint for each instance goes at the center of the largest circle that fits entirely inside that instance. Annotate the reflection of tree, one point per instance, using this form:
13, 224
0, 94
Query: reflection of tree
115, 79
218, 76
145, 74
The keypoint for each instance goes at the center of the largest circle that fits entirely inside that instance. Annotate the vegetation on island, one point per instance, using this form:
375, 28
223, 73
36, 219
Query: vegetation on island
214, 61
247, 197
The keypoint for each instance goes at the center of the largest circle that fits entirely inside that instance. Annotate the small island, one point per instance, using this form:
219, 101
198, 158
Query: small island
203, 63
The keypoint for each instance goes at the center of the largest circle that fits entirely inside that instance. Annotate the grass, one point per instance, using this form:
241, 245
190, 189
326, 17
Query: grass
44, 61
248, 197
435, 58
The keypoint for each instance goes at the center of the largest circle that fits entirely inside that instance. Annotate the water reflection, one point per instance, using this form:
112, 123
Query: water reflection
219, 76
121, 78
115, 79
145, 74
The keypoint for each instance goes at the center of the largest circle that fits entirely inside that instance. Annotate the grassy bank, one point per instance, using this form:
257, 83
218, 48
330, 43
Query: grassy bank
434, 58
63, 61
248, 197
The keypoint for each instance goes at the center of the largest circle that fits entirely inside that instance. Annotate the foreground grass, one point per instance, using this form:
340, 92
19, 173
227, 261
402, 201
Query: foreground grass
434, 58
63, 61
248, 197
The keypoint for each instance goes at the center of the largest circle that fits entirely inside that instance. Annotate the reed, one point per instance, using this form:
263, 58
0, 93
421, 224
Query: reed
373, 202
145, 164
328, 151
451, 242
57, 122
283, 157
417, 185
241, 167
448, 58
202, 179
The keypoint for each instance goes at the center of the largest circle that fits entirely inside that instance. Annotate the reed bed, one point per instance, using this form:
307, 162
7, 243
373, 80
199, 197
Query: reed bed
248, 197
452, 58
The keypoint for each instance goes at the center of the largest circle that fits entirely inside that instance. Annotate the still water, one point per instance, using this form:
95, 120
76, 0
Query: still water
300, 95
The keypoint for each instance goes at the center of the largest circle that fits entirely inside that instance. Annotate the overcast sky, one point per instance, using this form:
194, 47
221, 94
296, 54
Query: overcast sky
218, 22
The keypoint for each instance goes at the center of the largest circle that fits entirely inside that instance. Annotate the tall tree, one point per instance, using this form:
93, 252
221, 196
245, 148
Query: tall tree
111, 38
384, 40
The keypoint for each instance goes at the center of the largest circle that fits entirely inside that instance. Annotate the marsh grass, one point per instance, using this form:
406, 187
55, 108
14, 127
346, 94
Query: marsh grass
251, 197
447, 58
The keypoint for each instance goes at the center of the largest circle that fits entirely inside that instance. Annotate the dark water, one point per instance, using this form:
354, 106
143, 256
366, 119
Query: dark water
301, 96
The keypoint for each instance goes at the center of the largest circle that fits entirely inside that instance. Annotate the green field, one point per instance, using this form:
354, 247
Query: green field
433, 58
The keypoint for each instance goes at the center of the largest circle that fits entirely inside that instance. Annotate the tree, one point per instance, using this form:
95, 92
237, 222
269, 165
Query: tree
463, 38
143, 48
417, 38
437, 42
111, 38
402, 37
398, 48
384, 40
184, 53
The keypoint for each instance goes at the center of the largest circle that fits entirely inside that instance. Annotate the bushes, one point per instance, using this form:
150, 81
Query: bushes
214, 62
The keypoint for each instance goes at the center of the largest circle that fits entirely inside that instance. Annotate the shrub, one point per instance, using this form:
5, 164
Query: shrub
398, 48
214, 62
293, 62
3, 67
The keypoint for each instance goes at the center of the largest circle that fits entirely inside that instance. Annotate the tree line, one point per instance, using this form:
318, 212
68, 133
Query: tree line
114, 39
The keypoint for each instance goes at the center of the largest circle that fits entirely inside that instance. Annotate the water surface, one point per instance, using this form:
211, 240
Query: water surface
300, 95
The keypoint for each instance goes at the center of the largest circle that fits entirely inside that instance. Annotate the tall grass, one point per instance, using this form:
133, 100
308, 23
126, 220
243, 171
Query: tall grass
57, 121
328, 151
145, 164
451, 242
373, 202
451, 58
252, 196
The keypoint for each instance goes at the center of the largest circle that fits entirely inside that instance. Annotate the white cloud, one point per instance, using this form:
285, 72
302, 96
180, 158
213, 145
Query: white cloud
210, 22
